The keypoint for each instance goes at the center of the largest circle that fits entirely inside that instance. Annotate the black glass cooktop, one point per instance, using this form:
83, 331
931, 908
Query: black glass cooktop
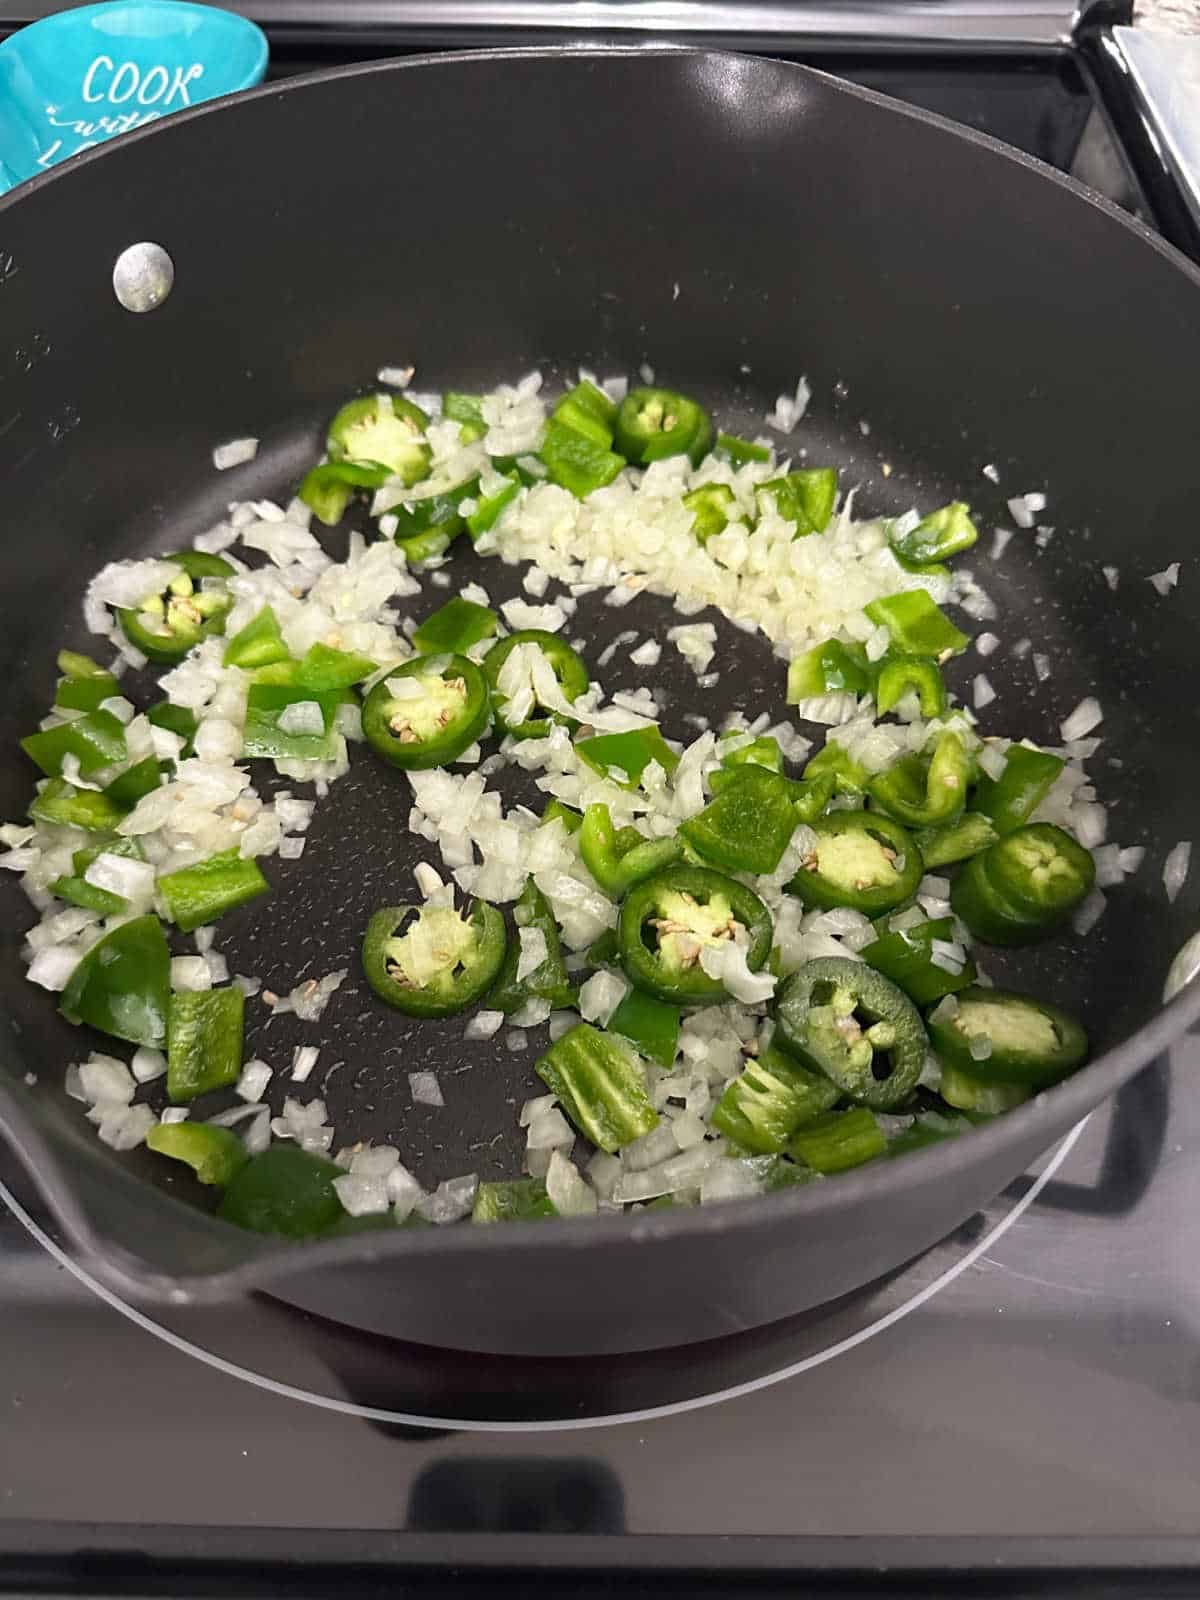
1018, 1412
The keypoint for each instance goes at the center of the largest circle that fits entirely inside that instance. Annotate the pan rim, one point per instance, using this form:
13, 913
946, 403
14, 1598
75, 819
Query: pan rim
267, 1261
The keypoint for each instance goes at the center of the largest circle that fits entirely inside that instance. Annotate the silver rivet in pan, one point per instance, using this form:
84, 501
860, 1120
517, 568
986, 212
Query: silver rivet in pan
143, 276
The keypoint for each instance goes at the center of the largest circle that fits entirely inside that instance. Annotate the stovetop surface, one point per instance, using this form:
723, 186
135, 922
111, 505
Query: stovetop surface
1024, 1396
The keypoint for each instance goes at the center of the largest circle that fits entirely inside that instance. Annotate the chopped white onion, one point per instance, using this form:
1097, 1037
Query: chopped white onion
304, 1059
234, 453
1165, 580
1176, 868
425, 1089
252, 1083
1086, 716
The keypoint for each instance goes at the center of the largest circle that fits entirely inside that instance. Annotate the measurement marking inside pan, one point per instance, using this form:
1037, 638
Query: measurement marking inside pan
562, 1424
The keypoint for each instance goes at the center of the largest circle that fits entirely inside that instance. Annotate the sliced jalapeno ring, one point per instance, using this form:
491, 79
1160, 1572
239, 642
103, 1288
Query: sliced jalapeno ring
169, 623
652, 424
854, 1025
999, 1036
382, 430
433, 721
1024, 885
567, 665
433, 961
860, 859
326, 490
668, 920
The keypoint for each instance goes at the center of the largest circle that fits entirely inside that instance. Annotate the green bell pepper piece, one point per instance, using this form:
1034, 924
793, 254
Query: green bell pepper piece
861, 859
201, 893
96, 740
918, 627
88, 897
258, 644
549, 980
653, 424
324, 668
611, 754
805, 499
617, 862
650, 1025
572, 821
122, 985
177, 720
740, 451
830, 668
668, 919
137, 781
761, 752
907, 959
839, 1141
769, 1099
710, 506
62, 803
426, 528
216, 1155
467, 411
1012, 798
919, 675
836, 763
578, 462
590, 400
600, 1081
456, 626
589, 412
567, 665
487, 512
84, 686
937, 537
168, 624
748, 825
284, 1191
925, 790
79, 892
519, 1200
262, 737
204, 1042
434, 727
844, 1019
1023, 886
382, 430
451, 963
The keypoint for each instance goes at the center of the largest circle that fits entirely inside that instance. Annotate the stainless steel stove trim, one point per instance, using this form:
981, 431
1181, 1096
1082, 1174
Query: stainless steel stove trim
1164, 71
980, 24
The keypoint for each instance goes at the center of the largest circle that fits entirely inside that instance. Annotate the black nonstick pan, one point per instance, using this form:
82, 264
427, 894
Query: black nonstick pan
735, 222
